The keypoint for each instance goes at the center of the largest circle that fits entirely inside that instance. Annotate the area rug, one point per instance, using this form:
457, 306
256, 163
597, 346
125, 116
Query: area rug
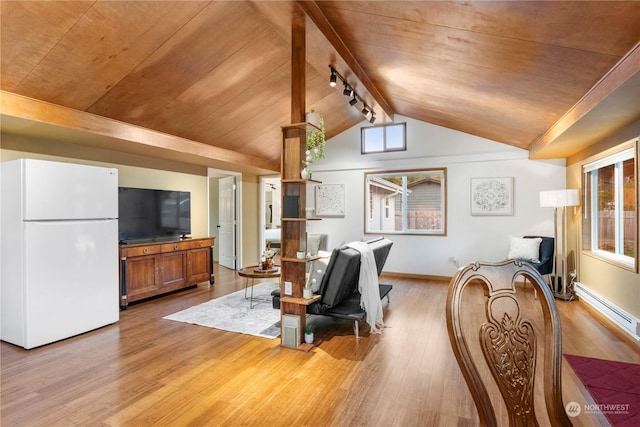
232, 313
615, 387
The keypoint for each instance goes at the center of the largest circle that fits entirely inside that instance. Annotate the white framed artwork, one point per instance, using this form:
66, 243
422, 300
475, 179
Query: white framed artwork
330, 201
492, 196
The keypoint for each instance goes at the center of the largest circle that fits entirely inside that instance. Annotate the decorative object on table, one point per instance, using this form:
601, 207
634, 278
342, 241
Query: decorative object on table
330, 200
558, 200
308, 334
305, 173
266, 263
300, 254
307, 290
307, 293
492, 196
232, 313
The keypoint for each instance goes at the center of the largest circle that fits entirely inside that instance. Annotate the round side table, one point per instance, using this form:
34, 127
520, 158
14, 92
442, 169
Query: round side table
253, 272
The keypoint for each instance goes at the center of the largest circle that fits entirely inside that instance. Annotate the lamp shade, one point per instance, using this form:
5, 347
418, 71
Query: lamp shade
559, 198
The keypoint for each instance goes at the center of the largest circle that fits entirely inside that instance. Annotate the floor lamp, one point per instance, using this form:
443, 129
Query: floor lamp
559, 199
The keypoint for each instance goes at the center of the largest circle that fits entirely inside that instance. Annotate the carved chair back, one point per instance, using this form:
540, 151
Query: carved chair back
507, 340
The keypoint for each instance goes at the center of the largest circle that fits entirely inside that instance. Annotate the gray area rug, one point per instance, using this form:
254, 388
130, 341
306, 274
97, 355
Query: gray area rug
232, 313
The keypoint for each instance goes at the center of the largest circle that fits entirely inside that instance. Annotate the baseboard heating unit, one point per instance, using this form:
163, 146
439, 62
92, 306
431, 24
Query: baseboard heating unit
626, 321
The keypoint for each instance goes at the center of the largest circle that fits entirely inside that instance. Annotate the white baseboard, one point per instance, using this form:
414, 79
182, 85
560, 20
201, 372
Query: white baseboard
626, 321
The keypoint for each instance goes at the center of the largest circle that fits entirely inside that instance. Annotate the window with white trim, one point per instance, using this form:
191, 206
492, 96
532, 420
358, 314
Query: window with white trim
610, 208
383, 138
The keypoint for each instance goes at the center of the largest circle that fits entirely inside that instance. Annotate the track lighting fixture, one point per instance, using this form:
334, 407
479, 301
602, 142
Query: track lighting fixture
350, 92
347, 90
332, 79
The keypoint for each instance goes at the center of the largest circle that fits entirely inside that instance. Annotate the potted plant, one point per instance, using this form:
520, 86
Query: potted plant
307, 291
308, 334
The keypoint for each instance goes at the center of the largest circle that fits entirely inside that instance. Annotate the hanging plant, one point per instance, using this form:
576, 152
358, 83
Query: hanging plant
316, 141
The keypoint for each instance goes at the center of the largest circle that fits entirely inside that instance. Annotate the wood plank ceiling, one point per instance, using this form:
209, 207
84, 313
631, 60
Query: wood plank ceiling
218, 72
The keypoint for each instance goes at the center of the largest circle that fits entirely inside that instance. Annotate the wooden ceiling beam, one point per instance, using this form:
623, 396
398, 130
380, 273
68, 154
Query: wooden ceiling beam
43, 112
313, 11
623, 71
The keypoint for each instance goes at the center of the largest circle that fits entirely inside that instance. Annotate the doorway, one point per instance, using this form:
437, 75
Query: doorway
270, 201
225, 225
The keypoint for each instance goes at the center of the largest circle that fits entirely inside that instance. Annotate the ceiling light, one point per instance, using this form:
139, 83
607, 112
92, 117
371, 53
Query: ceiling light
350, 92
332, 79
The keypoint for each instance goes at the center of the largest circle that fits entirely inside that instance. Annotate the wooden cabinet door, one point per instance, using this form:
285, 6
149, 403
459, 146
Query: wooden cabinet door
141, 276
173, 270
199, 265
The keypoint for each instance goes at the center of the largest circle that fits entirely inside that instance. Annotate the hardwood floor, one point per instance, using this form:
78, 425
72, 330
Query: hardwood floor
146, 371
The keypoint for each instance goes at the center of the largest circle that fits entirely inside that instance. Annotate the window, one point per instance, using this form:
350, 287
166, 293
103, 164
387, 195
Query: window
379, 139
406, 202
610, 207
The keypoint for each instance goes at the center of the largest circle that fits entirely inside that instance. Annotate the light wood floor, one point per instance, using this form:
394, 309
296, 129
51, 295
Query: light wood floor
146, 371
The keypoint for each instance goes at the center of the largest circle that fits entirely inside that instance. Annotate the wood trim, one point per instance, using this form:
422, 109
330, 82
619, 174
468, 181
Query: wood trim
298, 67
624, 70
429, 277
39, 111
314, 12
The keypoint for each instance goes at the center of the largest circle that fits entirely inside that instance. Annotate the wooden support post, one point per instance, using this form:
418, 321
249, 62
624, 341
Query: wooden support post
294, 143
298, 67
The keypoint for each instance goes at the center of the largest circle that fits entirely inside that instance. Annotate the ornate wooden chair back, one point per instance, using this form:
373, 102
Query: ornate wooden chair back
508, 340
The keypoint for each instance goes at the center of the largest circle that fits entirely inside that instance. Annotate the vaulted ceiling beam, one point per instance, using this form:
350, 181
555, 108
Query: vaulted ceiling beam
625, 70
130, 137
314, 12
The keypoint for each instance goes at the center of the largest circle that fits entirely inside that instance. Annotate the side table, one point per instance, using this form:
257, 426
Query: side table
252, 273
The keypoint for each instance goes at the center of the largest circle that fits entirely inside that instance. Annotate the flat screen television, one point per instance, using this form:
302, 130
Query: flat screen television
150, 215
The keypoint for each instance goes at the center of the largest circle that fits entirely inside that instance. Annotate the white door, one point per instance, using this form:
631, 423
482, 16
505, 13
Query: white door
227, 217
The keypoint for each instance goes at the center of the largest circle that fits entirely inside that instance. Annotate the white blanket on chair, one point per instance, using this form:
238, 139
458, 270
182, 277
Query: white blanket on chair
368, 286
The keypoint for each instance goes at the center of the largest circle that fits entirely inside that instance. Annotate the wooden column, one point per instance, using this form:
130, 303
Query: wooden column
298, 67
294, 143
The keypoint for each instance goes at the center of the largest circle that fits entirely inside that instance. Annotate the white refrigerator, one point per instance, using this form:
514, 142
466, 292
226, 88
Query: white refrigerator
59, 252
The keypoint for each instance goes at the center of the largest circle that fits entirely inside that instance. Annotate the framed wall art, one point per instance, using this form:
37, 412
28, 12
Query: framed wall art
492, 196
330, 201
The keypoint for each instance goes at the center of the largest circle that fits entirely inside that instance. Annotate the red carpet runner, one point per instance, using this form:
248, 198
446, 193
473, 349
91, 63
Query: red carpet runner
615, 387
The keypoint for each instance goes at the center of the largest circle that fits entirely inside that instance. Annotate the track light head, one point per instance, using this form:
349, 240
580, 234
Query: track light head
365, 111
332, 79
372, 119
347, 90
353, 101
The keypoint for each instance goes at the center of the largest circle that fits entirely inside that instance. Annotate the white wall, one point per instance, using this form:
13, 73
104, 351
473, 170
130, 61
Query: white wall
469, 238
